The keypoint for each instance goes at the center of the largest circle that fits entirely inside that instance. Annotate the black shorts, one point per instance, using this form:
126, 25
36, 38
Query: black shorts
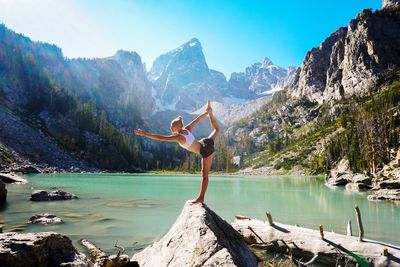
207, 147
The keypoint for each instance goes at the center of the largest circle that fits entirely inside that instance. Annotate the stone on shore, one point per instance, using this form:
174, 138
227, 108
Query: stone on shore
342, 175
3, 192
199, 237
385, 194
12, 178
357, 187
42, 195
45, 218
39, 249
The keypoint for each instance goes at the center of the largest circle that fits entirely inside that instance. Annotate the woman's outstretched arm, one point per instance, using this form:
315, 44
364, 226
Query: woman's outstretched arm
193, 123
165, 138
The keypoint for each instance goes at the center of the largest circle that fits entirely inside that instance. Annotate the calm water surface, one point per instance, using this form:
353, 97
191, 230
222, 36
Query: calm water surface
135, 210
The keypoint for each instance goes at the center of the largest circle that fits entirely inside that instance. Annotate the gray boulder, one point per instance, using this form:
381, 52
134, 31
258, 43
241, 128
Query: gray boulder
12, 178
199, 237
385, 194
45, 218
3, 192
357, 187
39, 249
42, 195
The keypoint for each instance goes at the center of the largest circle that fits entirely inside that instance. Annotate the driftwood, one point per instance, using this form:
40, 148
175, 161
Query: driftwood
307, 244
359, 223
101, 259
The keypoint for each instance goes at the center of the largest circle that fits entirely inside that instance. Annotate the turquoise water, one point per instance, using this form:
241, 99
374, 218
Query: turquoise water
135, 210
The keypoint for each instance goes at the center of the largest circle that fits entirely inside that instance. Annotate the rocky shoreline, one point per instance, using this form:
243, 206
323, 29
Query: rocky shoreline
383, 185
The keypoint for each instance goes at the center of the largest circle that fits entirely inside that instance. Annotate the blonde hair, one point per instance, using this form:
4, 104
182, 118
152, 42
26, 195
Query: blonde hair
178, 119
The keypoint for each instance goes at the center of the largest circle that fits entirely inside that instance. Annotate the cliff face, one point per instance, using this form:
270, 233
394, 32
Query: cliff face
349, 61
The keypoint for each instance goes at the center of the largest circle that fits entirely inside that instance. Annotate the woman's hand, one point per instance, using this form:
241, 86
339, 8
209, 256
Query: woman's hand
139, 132
208, 108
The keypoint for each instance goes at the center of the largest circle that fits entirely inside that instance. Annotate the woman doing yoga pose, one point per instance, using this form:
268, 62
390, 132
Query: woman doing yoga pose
182, 135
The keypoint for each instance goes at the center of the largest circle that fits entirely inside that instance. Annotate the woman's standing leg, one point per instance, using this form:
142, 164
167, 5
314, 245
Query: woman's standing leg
205, 169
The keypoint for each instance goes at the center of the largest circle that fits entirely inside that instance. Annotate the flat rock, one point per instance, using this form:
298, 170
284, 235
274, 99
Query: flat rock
42, 195
12, 178
39, 249
45, 218
389, 184
199, 237
385, 194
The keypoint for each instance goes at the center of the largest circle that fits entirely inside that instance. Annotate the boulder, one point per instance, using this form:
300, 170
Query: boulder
357, 187
385, 194
388, 184
3, 192
45, 218
342, 175
12, 178
42, 195
199, 237
39, 249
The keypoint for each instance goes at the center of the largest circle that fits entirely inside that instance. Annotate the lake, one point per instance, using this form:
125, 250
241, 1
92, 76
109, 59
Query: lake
137, 209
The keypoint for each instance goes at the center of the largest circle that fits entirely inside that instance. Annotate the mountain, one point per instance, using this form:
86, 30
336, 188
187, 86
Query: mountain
182, 79
350, 60
343, 102
259, 79
83, 110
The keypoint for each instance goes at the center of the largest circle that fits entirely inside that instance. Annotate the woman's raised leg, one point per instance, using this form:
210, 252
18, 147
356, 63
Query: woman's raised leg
217, 130
205, 169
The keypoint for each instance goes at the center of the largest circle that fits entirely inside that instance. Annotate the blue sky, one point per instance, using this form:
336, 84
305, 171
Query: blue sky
234, 34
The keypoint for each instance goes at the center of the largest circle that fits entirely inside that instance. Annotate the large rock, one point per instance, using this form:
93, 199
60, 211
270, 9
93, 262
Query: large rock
39, 249
42, 195
3, 192
199, 237
11, 178
385, 194
342, 175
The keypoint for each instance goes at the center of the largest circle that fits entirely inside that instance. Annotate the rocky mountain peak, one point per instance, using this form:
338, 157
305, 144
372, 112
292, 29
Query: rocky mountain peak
390, 3
351, 59
123, 55
266, 62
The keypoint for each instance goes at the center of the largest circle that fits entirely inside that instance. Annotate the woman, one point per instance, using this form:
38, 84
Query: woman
205, 147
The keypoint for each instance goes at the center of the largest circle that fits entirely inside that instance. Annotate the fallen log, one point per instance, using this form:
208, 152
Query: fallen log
101, 259
306, 243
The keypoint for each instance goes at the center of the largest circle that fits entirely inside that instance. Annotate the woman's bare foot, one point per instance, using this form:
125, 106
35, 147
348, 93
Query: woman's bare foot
197, 200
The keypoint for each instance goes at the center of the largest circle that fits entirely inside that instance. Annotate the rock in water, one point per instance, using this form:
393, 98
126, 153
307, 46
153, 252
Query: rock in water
39, 249
199, 237
3, 192
45, 218
42, 195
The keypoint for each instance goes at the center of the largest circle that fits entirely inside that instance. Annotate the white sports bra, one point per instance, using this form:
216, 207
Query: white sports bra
189, 139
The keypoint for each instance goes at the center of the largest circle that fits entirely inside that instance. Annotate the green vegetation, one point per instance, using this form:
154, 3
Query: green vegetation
362, 129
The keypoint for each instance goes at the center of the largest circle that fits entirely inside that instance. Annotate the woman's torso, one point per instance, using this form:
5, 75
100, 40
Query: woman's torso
191, 143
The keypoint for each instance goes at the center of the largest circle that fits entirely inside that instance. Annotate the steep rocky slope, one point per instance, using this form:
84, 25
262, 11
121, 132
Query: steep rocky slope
344, 92
349, 61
